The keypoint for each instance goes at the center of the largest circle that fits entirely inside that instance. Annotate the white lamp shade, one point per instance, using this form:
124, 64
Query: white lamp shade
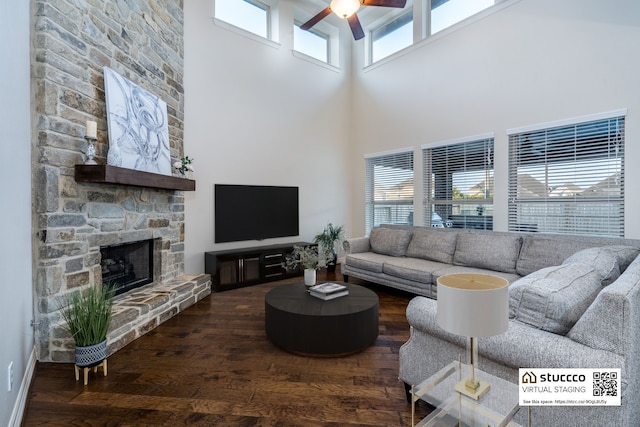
344, 8
473, 305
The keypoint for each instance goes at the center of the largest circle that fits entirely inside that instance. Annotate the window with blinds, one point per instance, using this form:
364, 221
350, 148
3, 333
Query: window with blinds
568, 179
389, 189
458, 184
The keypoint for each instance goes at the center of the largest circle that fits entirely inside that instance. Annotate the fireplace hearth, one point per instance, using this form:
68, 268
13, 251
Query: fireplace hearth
127, 265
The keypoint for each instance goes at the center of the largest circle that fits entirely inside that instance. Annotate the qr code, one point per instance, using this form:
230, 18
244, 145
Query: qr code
605, 383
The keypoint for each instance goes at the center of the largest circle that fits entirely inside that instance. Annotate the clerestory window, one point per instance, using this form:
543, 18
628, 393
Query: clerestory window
392, 37
311, 42
445, 13
250, 15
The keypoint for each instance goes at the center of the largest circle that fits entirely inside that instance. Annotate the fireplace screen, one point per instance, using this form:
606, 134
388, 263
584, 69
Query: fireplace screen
127, 266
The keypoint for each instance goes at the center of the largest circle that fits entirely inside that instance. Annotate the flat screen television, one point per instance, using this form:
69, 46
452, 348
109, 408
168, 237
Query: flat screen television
255, 212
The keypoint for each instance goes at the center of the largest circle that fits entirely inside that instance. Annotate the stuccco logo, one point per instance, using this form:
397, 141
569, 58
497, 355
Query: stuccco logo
563, 378
530, 378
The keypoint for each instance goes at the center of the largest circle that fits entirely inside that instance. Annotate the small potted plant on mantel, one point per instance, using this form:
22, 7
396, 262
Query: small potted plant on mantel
309, 259
88, 315
328, 238
184, 166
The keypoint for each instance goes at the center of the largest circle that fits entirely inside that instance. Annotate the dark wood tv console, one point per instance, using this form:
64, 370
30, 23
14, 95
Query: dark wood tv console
236, 268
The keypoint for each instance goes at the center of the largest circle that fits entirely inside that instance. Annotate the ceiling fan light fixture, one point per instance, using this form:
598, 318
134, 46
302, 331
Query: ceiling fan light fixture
344, 8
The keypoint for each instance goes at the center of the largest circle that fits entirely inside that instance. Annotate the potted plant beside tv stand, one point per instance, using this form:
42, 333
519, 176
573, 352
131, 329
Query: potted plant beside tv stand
236, 268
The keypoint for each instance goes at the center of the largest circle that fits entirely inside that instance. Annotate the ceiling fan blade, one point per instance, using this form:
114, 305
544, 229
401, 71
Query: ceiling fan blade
313, 21
356, 28
385, 3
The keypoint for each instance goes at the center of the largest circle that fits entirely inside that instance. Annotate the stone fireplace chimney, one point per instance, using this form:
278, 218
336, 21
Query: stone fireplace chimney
72, 42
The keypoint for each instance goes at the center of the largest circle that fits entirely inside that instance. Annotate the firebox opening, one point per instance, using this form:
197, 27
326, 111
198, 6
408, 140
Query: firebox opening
128, 265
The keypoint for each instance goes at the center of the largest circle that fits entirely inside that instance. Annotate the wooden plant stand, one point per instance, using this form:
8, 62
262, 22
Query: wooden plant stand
102, 364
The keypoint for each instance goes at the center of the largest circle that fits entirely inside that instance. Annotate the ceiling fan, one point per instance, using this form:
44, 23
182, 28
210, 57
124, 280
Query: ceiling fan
346, 9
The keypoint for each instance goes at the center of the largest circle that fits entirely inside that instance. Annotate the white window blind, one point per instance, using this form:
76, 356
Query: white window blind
458, 184
568, 179
389, 189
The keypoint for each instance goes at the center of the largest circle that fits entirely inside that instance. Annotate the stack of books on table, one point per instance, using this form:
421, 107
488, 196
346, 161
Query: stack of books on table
327, 291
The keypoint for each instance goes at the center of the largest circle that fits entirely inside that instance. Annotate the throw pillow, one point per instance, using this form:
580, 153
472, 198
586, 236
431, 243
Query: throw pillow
433, 245
492, 251
539, 252
605, 264
624, 254
389, 241
554, 298
609, 261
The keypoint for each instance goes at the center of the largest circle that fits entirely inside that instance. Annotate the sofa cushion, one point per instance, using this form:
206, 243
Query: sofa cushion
415, 269
539, 252
389, 241
445, 270
434, 245
493, 251
366, 261
554, 298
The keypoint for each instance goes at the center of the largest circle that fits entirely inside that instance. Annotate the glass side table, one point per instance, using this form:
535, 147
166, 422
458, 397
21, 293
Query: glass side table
494, 409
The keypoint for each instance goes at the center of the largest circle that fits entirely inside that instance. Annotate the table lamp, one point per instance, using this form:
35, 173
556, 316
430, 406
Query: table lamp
473, 305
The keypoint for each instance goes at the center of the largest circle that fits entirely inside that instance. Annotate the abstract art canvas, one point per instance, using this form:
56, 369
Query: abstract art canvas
138, 128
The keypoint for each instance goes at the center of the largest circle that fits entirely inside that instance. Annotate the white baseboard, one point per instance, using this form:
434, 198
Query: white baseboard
23, 393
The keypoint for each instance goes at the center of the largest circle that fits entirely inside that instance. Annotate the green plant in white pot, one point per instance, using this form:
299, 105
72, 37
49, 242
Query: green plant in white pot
88, 315
328, 238
307, 258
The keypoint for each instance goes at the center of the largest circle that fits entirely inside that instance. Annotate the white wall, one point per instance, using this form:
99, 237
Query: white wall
533, 61
16, 335
255, 114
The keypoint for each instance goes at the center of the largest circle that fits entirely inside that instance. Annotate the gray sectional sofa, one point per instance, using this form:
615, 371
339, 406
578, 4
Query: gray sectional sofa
574, 303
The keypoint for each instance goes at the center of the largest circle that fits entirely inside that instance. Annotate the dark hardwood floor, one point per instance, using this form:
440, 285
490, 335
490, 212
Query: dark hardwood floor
212, 365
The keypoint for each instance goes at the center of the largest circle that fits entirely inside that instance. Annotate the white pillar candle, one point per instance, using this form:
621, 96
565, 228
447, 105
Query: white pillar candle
92, 129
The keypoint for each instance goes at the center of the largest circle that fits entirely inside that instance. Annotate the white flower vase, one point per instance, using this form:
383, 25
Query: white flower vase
309, 276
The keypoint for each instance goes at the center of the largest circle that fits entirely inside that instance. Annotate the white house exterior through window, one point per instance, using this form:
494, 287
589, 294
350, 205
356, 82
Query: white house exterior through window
458, 183
569, 178
389, 189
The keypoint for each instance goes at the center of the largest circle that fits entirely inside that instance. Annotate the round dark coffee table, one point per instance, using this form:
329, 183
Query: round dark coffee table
300, 323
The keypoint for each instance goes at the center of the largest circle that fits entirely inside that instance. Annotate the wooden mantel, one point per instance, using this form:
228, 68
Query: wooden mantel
107, 174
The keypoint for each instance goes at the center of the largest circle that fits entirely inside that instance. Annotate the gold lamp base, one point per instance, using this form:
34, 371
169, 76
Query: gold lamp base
473, 390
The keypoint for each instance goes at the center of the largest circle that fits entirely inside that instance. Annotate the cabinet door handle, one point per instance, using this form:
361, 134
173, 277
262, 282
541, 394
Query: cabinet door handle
273, 256
272, 265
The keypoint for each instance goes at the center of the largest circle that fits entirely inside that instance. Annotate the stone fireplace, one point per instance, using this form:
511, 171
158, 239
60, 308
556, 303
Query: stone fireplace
74, 220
